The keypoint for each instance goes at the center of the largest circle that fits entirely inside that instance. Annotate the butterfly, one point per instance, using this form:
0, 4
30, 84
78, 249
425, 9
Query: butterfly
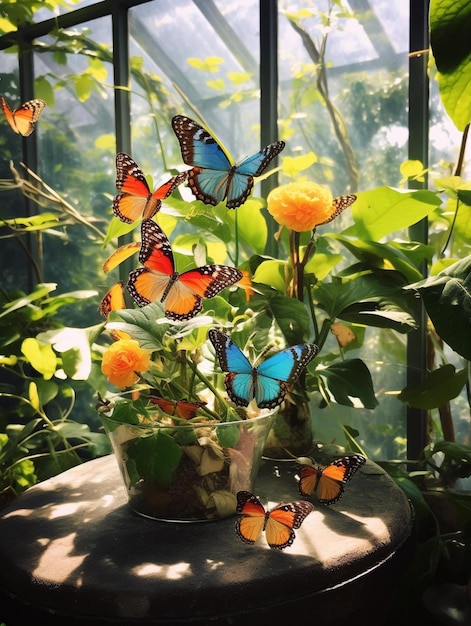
215, 176
328, 482
278, 523
23, 119
184, 409
339, 204
268, 383
181, 294
136, 199
113, 300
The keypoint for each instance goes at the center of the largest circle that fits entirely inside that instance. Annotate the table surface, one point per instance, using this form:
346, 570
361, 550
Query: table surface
72, 542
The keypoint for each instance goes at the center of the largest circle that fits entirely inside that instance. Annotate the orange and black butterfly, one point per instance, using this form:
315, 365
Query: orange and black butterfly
184, 409
23, 119
338, 206
328, 482
114, 300
180, 294
278, 523
135, 199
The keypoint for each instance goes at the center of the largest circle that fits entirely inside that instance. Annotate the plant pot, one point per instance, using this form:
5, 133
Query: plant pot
291, 434
188, 472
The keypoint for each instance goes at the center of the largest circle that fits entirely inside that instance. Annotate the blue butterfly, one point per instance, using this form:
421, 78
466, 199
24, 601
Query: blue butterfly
268, 383
215, 176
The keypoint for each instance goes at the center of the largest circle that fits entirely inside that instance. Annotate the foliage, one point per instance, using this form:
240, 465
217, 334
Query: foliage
41, 439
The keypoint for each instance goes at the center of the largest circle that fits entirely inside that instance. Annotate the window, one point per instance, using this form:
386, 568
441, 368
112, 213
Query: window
250, 69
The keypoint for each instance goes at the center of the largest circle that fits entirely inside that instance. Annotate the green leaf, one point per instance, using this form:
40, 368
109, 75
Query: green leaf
271, 273
156, 457
41, 356
44, 90
349, 383
450, 25
437, 388
447, 300
383, 211
292, 317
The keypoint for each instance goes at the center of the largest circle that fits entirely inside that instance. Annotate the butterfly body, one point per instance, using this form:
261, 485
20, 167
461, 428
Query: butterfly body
278, 523
135, 199
23, 119
328, 482
180, 293
214, 176
268, 383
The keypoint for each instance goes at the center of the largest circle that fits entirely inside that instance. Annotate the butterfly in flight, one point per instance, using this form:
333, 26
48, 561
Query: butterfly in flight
181, 294
278, 523
184, 409
268, 383
328, 482
23, 119
135, 199
214, 175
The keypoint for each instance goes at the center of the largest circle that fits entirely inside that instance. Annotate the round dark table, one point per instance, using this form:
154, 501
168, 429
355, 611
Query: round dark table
72, 552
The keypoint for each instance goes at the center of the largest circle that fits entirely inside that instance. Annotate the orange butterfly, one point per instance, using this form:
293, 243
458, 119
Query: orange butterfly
181, 294
278, 523
136, 199
23, 119
184, 409
328, 482
113, 300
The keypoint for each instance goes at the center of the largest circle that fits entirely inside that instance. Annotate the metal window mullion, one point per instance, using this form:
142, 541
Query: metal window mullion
33, 241
269, 98
418, 149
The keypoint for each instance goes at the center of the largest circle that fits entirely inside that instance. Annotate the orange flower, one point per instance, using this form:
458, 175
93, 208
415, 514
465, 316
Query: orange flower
121, 362
301, 206
246, 283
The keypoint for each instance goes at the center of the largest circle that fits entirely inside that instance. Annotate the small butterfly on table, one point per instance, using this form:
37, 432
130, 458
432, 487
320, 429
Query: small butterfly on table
268, 383
136, 200
328, 482
278, 523
215, 176
181, 294
23, 119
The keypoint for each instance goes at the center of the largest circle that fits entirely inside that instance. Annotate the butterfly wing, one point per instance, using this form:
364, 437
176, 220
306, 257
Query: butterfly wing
279, 371
23, 119
136, 200
113, 300
251, 520
338, 205
242, 179
212, 166
239, 380
308, 479
282, 520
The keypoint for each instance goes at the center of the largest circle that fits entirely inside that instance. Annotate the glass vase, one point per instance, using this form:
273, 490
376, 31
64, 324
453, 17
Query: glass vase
188, 472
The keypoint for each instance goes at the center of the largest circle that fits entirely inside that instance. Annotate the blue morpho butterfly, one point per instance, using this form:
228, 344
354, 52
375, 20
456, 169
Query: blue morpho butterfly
268, 383
215, 176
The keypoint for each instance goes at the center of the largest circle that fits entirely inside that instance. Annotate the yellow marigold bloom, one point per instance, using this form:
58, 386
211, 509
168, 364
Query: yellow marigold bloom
301, 206
121, 362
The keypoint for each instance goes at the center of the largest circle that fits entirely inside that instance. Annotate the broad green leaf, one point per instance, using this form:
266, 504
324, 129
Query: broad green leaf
238, 78
292, 166
44, 90
384, 210
84, 85
74, 346
437, 388
272, 273
450, 25
41, 356
349, 383
447, 300
209, 64
42, 221
292, 317
380, 314
251, 225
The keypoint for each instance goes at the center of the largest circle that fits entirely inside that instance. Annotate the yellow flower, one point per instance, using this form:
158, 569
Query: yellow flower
121, 362
301, 206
